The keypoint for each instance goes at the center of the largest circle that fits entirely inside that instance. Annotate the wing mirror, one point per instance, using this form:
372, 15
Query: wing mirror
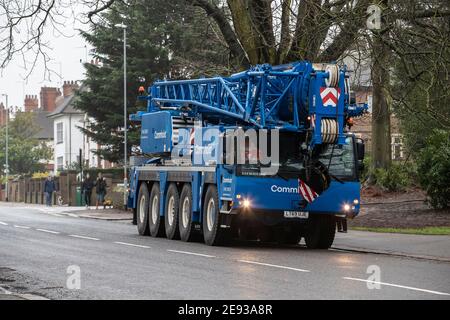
360, 151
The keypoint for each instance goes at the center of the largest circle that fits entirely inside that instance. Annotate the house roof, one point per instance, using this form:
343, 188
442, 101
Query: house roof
65, 106
45, 125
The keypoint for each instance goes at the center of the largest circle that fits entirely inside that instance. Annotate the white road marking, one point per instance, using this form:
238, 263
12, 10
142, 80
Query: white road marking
4, 291
48, 231
397, 286
72, 215
192, 253
21, 227
83, 237
54, 214
273, 265
3, 223
25, 296
132, 245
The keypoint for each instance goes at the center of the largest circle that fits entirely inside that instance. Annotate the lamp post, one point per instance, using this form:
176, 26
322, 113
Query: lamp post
6, 148
125, 145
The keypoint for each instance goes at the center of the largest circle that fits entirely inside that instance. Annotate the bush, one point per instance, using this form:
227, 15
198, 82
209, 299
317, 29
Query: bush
433, 163
367, 170
397, 178
38, 175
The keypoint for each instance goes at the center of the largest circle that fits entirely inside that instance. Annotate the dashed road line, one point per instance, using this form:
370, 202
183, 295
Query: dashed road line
273, 265
3, 223
397, 286
48, 231
21, 227
132, 245
83, 237
54, 214
192, 253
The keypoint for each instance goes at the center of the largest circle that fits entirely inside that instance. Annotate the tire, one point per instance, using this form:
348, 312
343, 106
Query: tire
320, 233
213, 234
186, 225
142, 210
171, 209
155, 221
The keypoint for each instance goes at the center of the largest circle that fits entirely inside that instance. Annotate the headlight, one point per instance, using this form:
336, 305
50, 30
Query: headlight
246, 203
347, 207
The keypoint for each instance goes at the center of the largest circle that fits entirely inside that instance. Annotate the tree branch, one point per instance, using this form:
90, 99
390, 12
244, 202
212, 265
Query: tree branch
227, 31
285, 38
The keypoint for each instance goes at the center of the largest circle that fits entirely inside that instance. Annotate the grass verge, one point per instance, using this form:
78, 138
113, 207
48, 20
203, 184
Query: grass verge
436, 231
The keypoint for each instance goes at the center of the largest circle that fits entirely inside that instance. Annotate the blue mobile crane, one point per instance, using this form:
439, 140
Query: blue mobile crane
203, 168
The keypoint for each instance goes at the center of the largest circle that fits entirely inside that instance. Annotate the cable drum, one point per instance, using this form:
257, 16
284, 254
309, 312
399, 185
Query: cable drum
329, 130
333, 78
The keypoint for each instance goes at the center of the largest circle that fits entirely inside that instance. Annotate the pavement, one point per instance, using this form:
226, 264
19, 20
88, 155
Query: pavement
414, 246
51, 254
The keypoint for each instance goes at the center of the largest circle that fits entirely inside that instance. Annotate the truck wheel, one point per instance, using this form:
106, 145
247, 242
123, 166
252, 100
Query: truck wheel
171, 212
156, 223
142, 210
213, 234
186, 225
320, 234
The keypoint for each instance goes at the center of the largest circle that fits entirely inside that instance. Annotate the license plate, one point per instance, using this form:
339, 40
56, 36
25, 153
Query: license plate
296, 214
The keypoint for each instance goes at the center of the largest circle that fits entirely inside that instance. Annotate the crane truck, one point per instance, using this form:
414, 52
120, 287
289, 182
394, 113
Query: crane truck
263, 154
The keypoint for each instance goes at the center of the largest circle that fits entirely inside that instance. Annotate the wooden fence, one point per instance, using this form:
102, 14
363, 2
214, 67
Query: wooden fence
30, 190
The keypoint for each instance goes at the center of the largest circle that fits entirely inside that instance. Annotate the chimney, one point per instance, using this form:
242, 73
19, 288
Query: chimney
48, 98
69, 88
31, 103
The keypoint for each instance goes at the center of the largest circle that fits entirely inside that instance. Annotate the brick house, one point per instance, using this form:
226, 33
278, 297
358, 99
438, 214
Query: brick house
67, 122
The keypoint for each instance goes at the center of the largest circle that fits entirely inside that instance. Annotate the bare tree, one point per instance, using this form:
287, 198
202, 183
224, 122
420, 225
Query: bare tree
407, 30
24, 24
269, 31
278, 31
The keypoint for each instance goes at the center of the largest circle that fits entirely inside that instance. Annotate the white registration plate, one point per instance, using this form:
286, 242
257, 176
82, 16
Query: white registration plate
296, 214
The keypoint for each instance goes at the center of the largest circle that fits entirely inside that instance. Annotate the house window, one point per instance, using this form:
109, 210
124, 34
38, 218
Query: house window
59, 132
397, 146
60, 163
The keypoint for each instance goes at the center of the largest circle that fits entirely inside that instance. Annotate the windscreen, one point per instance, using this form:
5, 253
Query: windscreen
340, 160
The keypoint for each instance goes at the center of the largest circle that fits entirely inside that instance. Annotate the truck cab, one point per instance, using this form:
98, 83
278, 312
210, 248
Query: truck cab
273, 204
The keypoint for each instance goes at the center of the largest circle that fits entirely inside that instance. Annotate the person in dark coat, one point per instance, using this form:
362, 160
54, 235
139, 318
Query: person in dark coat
86, 188
100, 189
49, 188
341, 224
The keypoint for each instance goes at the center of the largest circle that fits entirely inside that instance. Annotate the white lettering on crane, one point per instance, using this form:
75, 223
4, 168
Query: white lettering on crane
278, 189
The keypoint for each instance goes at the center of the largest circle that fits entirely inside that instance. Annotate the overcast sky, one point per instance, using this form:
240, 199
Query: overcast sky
66, 54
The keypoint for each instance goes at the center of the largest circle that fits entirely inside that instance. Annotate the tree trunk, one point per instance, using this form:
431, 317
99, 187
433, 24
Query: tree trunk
381, 124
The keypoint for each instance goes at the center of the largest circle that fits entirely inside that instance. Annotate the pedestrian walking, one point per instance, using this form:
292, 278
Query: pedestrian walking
86, 189
100, 189
49, 188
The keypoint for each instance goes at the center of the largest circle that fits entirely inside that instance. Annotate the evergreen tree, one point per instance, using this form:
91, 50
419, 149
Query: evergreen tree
26, 154
164, 39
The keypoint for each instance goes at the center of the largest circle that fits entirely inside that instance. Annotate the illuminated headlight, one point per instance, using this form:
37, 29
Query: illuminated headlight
356, 201
246, 203
347, 207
